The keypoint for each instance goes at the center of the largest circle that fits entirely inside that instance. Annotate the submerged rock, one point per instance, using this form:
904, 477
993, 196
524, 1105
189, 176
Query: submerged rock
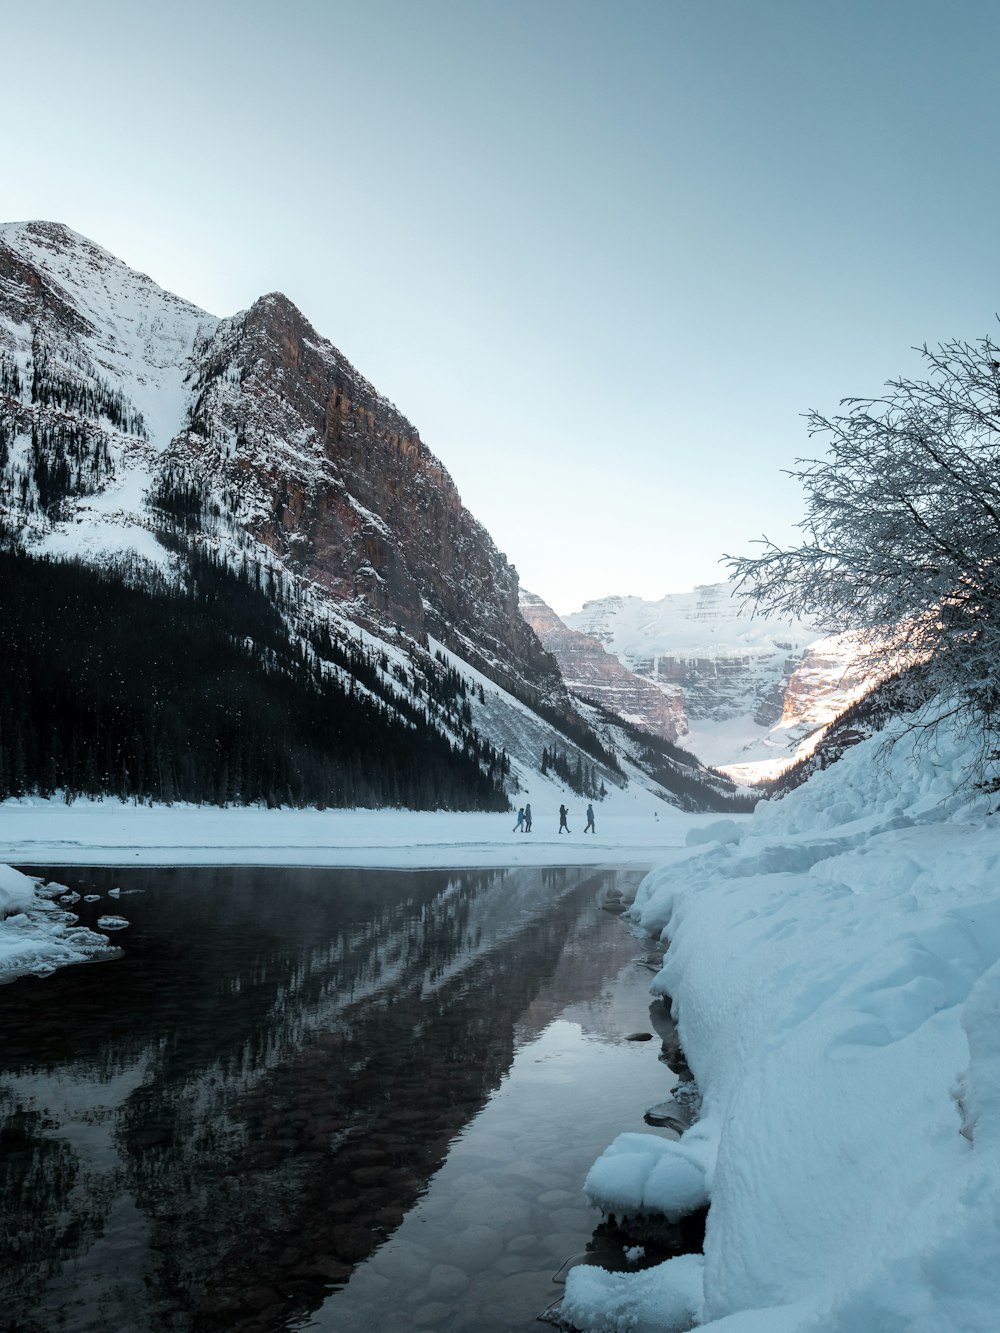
667, 1115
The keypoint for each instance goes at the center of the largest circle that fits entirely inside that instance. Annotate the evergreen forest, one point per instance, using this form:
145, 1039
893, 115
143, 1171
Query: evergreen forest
194, 690
694, 786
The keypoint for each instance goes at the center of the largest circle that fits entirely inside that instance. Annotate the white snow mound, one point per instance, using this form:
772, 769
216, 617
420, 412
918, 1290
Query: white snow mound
667, 1296
836, 977
642, 1173
36, 934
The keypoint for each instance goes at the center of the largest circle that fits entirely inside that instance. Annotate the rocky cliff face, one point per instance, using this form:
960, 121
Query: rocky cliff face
829, 678
595, 674
334, 479
115, 392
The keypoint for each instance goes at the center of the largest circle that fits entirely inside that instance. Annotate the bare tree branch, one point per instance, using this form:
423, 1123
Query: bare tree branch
901, 531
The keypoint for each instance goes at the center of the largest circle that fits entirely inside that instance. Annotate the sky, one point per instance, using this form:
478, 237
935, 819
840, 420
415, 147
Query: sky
604, 254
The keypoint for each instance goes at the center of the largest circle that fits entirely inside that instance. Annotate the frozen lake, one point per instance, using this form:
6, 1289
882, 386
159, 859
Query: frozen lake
318, 1099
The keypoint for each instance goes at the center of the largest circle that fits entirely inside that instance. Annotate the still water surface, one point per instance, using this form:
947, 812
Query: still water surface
361, 1101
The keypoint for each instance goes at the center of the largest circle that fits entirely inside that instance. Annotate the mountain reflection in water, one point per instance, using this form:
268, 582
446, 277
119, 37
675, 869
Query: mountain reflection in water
210, 1132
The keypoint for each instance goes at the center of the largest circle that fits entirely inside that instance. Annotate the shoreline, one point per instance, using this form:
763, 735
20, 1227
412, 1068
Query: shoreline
51, 833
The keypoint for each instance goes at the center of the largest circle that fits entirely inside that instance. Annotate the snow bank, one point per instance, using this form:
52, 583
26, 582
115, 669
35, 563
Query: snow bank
642, 1174
17, 892
667, 1296
836, 975
36, 935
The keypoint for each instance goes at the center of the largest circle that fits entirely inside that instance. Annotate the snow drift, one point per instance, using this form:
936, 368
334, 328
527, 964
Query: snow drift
835, 968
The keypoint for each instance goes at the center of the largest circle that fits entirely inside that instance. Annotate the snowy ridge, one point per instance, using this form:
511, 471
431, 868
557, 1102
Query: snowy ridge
110, 331
139, 334
834, 963
707, 624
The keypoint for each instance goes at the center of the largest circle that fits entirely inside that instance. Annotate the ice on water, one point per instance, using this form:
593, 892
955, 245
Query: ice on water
37, 935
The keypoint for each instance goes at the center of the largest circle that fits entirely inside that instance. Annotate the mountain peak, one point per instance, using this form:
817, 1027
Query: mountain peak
83, 267
54, 235
98, 320
59, 250
272, 427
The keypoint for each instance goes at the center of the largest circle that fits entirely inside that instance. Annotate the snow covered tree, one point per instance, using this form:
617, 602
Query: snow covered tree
902, 529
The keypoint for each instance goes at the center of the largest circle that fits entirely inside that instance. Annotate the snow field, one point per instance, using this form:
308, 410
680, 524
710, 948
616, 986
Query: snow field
633, 828
835, 969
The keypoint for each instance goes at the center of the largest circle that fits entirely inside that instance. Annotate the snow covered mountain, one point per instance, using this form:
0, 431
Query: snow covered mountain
270, 424
594, 673
748, 692
236, 488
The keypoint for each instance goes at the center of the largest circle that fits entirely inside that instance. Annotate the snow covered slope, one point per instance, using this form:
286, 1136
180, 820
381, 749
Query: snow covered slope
594, 673
834, 962
133, 334
85, 339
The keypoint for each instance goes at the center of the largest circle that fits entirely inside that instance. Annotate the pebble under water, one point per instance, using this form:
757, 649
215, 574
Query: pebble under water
361, 1101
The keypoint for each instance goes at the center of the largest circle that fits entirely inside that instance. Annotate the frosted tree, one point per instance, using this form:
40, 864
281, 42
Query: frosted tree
901, 536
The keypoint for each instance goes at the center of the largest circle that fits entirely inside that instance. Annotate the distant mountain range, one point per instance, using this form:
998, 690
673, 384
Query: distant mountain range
743, 693
592, 672
231, 570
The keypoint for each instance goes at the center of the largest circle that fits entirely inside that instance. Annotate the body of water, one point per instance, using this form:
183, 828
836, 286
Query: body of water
317, 1099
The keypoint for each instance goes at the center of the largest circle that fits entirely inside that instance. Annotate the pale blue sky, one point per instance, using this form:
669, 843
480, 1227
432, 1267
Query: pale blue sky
603, 255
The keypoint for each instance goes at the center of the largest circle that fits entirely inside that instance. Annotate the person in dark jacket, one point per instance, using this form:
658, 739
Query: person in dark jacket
527, 819
563, 812
520, 821
590, 821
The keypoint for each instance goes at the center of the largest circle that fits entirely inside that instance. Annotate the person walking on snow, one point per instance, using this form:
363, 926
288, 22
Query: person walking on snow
563, 812
527, 819
590, 821
520, 821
